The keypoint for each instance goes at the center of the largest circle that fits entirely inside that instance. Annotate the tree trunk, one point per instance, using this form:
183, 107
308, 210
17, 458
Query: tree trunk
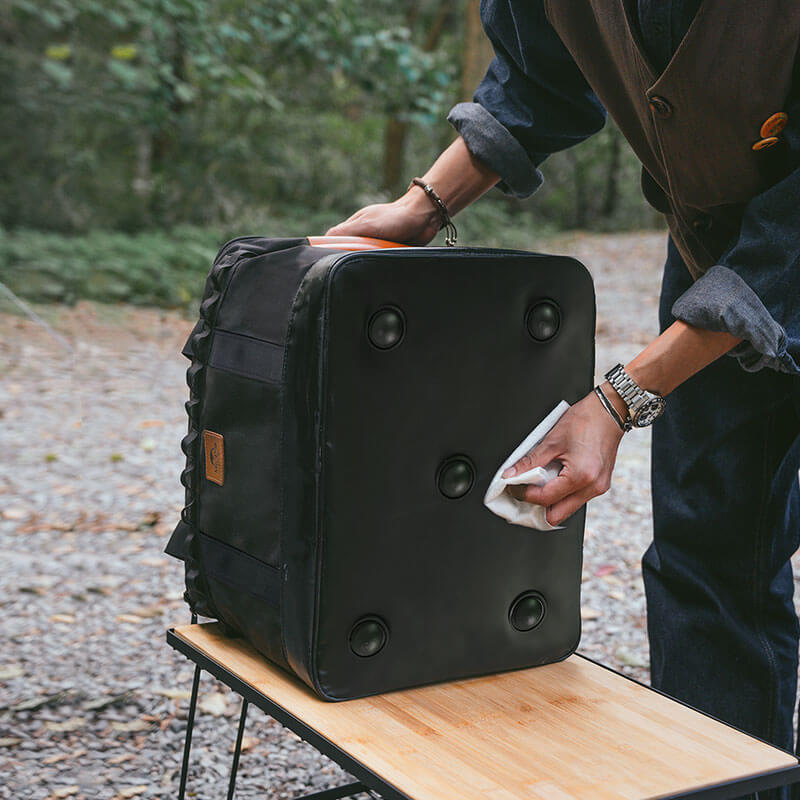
581, 206
611, 195
396, 131
394, 143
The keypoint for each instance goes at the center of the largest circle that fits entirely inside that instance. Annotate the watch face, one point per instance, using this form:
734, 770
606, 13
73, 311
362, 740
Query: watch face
649, 411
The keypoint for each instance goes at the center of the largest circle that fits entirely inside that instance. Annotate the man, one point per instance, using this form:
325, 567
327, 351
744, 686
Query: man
708, 95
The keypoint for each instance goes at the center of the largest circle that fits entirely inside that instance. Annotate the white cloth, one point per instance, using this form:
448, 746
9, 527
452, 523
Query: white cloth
519, 512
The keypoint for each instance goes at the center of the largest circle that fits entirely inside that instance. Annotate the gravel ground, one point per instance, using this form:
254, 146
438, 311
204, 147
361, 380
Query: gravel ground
92, 701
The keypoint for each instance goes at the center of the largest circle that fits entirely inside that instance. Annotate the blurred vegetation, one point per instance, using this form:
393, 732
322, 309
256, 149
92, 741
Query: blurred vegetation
138, 135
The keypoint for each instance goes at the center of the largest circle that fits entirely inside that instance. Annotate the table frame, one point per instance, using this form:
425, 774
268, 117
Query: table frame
370, 782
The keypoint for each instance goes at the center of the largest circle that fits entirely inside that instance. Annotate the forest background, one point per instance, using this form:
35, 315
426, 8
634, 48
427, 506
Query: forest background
138, 135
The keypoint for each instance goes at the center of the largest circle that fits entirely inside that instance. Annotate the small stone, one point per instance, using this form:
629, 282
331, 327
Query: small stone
65, 791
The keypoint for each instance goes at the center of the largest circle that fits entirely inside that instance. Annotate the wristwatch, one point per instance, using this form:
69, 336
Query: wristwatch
643, 407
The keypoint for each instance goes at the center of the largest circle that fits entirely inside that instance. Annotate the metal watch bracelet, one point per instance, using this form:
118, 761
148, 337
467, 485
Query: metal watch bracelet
643, 406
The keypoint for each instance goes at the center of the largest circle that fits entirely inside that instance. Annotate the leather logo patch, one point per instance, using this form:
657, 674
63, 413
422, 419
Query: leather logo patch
214, 446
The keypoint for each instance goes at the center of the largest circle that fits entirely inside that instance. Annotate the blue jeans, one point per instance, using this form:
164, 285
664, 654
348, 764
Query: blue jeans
726, 519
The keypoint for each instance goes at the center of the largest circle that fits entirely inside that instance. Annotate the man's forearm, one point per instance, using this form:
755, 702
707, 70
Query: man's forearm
677, 354
457, 177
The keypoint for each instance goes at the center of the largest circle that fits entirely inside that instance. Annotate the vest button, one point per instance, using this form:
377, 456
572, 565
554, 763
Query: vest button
774, 125
660, 107
703, 224
765, 143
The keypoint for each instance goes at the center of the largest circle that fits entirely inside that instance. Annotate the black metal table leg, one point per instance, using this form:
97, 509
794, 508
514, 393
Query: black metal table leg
348, 790
187, 745
238, 749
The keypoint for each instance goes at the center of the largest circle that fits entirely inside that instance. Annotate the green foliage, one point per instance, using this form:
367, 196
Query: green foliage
145, 269
206, 117
139, 113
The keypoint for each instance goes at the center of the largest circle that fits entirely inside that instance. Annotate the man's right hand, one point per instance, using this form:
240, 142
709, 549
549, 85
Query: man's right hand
458, 178
411, 219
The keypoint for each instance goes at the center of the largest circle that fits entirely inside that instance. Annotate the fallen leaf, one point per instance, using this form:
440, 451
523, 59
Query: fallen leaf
604, 569
129, 618
149, 561
173, 694
248, 743
612, 579
589, 613
134, 726
149, 612
615, 595
213, 704
151, 423
56, 758
35, 703
132, 791
121, 759
631, 659
11, 671
64, 619
67, 726
15, 513
102, 703
10, 741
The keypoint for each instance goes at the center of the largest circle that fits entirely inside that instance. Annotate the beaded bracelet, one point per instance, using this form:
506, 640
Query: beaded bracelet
450, 234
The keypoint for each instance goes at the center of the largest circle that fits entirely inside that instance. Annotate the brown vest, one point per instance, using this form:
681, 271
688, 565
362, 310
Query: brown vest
694, 125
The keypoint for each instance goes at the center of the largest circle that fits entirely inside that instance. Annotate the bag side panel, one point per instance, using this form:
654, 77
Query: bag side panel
187, 541
301, 456
239, 513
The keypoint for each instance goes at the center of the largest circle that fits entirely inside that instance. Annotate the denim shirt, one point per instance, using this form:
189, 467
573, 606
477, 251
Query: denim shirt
534, 101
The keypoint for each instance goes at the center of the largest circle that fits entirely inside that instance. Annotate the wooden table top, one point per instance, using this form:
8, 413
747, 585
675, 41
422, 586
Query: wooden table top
567, 731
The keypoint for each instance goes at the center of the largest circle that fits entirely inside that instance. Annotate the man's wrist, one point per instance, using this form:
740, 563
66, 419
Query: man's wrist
417, 203
615, 399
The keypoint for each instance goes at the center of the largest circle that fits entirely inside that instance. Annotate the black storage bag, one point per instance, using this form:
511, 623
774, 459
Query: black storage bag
347, 411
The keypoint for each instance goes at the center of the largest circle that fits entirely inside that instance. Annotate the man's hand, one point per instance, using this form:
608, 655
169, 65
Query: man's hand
458, 178
411, 219
585, 440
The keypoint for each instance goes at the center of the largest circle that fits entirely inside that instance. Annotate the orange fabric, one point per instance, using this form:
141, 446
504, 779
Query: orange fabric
351, 242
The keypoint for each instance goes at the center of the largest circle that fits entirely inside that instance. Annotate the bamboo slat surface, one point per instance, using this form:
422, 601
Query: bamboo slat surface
567, 731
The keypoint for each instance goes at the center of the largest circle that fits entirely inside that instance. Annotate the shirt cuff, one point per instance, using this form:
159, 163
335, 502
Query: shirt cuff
491, 142
719, 300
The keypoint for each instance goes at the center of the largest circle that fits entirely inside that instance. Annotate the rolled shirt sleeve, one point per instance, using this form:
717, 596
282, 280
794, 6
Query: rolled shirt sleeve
532, 101
754, 290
